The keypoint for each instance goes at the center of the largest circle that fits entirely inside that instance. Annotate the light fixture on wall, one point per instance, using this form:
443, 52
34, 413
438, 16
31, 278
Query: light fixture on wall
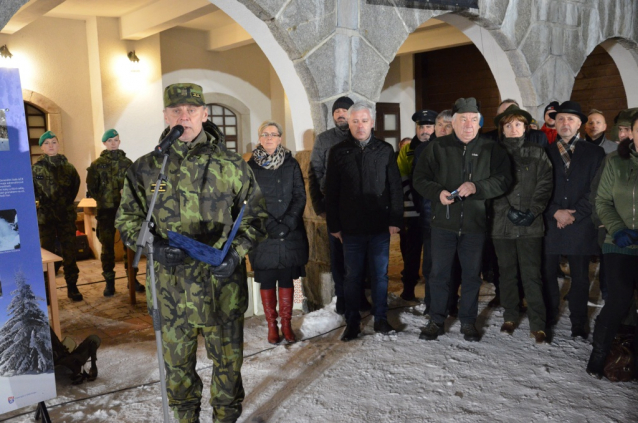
135, 61
5, 53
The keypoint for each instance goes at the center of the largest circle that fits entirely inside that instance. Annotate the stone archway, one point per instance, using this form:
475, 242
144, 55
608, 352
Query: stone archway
51, 110
625, 55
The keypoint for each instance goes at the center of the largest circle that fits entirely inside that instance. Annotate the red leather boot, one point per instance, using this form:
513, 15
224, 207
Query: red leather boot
285, 310
269, 301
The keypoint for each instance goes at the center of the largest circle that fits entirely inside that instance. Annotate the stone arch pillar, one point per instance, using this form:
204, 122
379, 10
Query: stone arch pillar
51, 110
625, 55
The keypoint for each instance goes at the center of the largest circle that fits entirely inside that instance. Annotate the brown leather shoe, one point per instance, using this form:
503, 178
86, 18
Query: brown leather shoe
508, 327
539, 336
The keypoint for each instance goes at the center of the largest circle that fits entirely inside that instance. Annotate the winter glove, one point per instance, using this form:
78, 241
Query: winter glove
625, 237
167, 255
278, 231
527, 220
515, 216
226, 269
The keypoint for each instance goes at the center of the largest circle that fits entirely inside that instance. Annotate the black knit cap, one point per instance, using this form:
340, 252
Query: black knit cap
342, 103
551, 106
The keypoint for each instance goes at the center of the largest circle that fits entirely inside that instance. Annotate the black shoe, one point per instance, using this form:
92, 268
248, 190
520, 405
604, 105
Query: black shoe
73, 293
351, 332
579, 331
109, 290
470, 333
382, 326
408, 295
139, 287
340, 308
431, 331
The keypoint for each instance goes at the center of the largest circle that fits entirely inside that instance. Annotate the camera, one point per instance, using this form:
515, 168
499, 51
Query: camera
454, 195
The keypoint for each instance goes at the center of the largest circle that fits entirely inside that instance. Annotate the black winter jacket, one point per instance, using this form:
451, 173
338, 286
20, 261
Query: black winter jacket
285, 194
446, 164
532, 188
363, 188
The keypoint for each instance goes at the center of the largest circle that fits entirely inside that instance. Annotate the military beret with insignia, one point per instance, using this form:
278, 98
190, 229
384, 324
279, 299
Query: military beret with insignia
425, 117
109, 134
183, 93
46, 136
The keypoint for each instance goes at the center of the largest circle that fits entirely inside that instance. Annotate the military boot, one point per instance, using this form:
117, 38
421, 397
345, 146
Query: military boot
72, 291
269, 301
109, 290
285, 310
601, 344
138, 286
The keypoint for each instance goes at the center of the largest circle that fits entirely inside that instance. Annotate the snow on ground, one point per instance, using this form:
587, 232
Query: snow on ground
376, 378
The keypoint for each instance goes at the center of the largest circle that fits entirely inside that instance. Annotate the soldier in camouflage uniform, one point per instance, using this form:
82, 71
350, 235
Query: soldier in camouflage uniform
205, 189
56, 184
104, 182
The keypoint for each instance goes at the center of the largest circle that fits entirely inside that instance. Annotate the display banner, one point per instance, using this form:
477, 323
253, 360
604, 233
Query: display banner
428, 4
26, 358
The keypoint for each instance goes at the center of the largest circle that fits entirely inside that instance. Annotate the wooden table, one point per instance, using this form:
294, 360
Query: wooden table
48, 265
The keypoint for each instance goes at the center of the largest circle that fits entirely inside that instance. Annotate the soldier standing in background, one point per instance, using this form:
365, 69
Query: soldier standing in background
104, 182
56, 184
205, 188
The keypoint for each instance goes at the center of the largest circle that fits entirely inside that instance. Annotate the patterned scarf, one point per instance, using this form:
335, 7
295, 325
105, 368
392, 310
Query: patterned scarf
566, 149
269, 161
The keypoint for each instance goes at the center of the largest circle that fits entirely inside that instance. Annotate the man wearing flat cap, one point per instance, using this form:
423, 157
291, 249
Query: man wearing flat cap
104, 182
458, 173
317, 188
205, 189
56, 184
622, 127
411, 235
570, 229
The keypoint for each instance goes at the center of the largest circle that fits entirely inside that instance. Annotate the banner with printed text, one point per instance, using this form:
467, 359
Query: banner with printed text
26, 359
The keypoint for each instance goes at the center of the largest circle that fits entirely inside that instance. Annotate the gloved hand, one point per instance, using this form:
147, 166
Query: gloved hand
167, 255
278, 231
228, 266
515, 216
625, 237
527, 220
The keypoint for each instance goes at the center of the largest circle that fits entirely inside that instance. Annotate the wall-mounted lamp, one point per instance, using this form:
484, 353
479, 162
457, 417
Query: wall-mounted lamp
135, 61
5, 53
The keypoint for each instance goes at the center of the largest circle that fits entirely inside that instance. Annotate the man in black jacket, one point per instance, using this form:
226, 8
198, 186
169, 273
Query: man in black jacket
570, 229
474, 169
364, 206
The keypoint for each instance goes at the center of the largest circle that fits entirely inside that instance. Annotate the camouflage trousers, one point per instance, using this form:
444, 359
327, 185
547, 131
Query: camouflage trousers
225, 347
65, 233
106, 235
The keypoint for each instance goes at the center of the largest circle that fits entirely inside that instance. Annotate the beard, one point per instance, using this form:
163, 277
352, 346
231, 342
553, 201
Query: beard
343, 125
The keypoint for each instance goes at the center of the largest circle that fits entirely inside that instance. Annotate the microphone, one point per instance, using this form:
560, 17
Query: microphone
169, 139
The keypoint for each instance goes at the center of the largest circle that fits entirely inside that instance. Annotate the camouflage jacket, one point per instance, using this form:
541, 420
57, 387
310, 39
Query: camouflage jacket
105, 178
56, 184
205, 189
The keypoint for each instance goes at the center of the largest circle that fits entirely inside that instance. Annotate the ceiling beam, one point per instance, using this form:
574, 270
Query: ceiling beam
228, 37
160, 16
29, 13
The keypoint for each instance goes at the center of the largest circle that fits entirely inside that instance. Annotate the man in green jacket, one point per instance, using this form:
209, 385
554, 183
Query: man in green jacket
104, 182
458, 173
205, 188
56, 184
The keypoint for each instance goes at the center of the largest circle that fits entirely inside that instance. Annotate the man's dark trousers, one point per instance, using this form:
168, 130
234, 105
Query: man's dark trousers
470, 250
578, 291
355, 249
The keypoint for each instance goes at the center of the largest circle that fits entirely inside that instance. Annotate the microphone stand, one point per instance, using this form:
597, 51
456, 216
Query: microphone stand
145, 240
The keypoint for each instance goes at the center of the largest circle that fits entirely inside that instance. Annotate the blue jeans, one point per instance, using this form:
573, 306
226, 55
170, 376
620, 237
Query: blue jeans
355, 249
337, 267
470, 249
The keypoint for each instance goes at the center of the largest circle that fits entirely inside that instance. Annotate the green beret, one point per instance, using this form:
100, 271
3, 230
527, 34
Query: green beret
183, 94
109, 134
466, 105
46, 136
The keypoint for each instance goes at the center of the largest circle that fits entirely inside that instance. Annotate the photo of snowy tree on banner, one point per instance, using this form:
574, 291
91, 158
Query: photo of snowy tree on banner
25, 340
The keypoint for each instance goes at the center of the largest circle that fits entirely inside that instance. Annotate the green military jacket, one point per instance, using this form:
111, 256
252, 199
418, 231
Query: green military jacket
532, 189
105, 178
205, 189
617, 197
56, 184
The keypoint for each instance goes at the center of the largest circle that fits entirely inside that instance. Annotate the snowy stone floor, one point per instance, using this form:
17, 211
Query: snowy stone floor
377, 378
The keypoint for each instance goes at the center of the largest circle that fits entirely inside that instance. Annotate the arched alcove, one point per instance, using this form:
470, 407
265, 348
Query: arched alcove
243, 114
51, 110
625, 56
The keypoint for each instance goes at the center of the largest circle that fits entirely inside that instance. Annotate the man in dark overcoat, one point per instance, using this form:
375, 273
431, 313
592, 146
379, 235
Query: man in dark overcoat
570, 230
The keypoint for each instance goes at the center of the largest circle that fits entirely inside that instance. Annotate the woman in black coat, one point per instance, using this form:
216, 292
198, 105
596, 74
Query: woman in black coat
282, 257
